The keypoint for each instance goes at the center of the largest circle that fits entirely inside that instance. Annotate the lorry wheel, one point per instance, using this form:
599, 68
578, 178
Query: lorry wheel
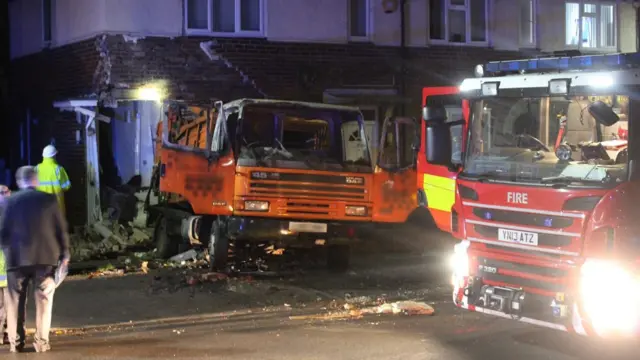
338, 257
166, 245
218, 246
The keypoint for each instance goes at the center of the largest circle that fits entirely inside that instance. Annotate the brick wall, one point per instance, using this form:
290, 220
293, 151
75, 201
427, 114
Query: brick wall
36, 81
234, 68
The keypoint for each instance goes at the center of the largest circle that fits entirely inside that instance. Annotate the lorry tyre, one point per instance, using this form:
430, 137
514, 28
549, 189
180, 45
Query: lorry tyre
338, 257
218, 246
166, 245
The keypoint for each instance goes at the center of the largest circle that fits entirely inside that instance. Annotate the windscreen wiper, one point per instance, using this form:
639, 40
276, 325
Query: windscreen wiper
569, 180
487, 175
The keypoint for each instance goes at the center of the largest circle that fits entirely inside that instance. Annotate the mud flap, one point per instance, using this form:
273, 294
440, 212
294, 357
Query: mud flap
394, 186
187, 165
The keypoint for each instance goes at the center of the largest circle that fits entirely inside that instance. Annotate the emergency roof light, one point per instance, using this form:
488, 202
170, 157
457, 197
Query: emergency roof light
565, 63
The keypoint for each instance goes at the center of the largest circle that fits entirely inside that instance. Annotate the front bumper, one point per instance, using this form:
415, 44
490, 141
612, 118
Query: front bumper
278, 230
471, 293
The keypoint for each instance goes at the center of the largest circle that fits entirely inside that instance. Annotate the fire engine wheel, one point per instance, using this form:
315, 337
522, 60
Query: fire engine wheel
166, 245
218, 246
338, 257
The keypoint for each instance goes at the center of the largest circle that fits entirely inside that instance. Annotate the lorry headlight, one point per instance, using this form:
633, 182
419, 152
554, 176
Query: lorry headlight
252, 205
459, 261
355, 210
610, 296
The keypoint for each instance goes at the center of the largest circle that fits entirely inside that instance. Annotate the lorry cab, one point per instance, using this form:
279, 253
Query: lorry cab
274, 174
546, 198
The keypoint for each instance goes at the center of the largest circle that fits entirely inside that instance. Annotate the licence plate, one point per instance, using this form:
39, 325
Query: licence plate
519, 237
307, 227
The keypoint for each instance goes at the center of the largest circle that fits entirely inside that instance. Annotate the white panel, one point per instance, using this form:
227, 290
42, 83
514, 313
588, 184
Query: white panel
26, 28
124, 140
147, 17
76, 20
551, 26
149, 116
628, 28
505, 24
327, 24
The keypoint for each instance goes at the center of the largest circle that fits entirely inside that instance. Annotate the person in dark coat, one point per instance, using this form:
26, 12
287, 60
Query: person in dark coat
34, 238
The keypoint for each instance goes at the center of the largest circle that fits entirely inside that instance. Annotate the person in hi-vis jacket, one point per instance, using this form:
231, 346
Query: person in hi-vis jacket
52, 178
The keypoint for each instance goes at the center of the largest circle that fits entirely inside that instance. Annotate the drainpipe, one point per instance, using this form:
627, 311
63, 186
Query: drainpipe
403, 54
637, 6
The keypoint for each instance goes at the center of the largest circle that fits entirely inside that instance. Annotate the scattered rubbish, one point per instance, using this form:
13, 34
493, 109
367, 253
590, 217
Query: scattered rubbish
350, 312
185, 256
271, 250
178, 332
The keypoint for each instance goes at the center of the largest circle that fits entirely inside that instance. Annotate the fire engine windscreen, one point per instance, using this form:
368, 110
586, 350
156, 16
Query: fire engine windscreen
547, 140
305, 138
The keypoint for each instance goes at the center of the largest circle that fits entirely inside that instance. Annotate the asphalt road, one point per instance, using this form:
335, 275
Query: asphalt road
449, 334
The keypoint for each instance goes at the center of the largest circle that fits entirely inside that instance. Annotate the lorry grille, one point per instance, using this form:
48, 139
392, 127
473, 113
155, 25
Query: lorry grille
307, 186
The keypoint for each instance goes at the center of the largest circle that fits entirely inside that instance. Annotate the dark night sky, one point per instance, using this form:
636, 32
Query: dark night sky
4, 72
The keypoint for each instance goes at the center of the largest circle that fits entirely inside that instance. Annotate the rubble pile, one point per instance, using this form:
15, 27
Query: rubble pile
123, 228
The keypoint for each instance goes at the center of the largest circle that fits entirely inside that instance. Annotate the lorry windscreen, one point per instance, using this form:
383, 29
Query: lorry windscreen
516, 140
303, 138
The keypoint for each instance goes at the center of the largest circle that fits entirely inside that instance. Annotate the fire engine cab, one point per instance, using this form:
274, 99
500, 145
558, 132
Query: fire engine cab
547, 197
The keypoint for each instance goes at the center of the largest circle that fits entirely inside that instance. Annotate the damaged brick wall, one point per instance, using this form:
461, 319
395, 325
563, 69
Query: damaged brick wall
203, 68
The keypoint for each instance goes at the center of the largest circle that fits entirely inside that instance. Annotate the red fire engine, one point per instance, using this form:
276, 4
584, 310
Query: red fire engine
545, 204
436, 183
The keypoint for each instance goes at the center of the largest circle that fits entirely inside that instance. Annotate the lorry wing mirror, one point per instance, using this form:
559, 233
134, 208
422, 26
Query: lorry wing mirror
434, 113
603, 113
438, 143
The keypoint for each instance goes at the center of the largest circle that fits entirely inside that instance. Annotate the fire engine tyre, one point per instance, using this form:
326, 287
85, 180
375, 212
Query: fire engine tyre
166, 245
218, 246
338, 257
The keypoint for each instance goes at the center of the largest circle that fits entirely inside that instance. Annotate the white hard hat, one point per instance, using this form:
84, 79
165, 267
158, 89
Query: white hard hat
49, 151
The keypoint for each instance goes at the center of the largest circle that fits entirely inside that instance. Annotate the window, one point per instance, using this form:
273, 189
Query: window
590, 25
528, 13
224, 16
46, 20
458, 21
359, 20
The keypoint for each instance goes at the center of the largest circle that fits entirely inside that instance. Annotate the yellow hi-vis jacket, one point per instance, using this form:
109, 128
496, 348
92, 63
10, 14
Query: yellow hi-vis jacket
53, 179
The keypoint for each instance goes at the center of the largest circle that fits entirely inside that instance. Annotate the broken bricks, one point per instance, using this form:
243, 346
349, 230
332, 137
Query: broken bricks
399, 307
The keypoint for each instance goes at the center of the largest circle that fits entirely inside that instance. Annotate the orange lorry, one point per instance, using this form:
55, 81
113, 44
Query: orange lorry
256, 172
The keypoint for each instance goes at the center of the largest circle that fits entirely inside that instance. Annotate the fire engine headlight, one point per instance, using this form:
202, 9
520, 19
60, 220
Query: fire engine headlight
355, 210
252, 205
459, 261
610, 296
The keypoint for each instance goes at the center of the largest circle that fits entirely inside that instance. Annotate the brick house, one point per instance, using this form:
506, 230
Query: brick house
91, 54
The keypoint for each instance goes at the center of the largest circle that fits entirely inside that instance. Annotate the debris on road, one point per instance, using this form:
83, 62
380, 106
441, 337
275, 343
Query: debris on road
185, 256
399, 307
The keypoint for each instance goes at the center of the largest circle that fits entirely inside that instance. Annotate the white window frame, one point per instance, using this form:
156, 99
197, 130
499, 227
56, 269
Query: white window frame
598, 3
238, 32
467, 9
369, 22
532, 42
47, 42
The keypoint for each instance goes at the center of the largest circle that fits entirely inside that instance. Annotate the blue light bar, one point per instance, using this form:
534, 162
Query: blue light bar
564, 63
